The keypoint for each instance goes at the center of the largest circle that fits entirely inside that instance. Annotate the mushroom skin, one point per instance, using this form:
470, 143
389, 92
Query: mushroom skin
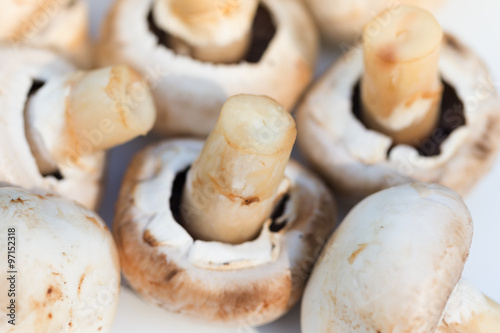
81, 181
190, 93
68, 272
44, 23
393, 265
251, 283
357, 161
343, 21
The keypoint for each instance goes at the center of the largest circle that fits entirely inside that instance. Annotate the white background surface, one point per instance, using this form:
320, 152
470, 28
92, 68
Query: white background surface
477, 23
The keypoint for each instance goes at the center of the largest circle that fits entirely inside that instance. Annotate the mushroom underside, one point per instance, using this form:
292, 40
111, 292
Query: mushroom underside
248, 289
358, 161
26, 69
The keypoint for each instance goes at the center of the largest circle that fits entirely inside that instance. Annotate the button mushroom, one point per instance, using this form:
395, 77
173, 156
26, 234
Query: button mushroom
63, 272
197, 53
407, 108
394, 265
57, 121
59, 24
228, 231
343, 21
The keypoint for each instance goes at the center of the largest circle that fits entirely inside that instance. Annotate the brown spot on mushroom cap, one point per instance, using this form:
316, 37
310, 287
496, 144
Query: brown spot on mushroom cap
54, 294
50, 315
80, 283
354, 255
150, 239
452, 42
18, 200
249, 201
485, 145
94, 221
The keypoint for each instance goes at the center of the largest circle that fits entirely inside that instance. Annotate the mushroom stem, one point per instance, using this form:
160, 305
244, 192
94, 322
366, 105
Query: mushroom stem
217, 31
469, 311
401, 87
18, 18
232, 187
87, 112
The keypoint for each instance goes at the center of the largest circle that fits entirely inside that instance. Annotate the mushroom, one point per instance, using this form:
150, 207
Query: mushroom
58, 121
371, 122
197, 53
343, 21
394, 265
63, 270
182, 205
58, 24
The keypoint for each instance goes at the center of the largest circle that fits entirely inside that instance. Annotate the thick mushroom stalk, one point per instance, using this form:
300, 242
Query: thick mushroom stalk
209, 30
86, 112
469, 311
232, 187
401, 87
13, 27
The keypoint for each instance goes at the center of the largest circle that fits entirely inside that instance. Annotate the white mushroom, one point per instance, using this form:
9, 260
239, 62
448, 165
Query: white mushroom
357, 160
58, 121
343, 21
394, 265
65, 273
189, 92
58, 24
249, 283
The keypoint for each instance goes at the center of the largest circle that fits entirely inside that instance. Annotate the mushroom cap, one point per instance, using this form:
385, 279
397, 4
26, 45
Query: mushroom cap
250, 283
343, 21
190, 93
392, 264
21, 65
357, 161
44, 23
68, 273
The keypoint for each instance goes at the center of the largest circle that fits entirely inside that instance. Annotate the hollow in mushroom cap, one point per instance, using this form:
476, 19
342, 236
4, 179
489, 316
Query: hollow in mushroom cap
189, 93
358, 161
250, 283
65, 263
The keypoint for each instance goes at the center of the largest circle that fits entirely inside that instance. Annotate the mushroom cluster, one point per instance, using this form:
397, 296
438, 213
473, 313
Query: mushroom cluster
230, 231
226, 231
197, 53
61, 25
410, 105
395, 265
57, 121
63, 273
